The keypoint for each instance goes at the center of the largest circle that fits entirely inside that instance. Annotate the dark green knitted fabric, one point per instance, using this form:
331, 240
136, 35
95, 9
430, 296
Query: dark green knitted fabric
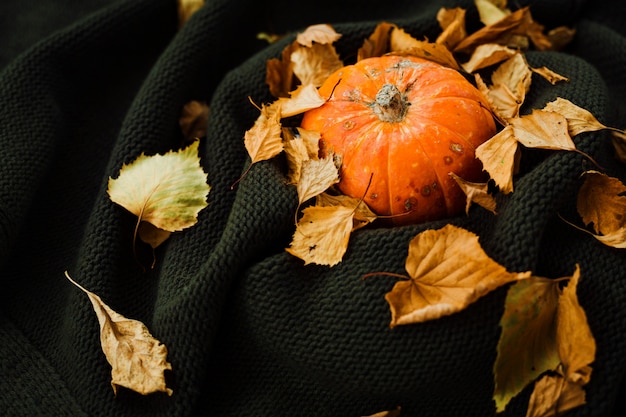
86, 86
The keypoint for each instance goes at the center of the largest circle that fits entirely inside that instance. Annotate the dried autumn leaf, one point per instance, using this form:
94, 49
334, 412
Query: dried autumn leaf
322, 235
601, 202
166, 190
500, 157
137, 359
448, 270
263, 140
487, 55
193, 120
618, 139
313, 65
476, 193
494, 32
298, 148
402, 43
378, 42
186, 8
528, 344
152, 235
390, 413
452, 22
321, 33
303, 98
279, 74
553, 396
491, 12
363, 215
577, 346
560, 36
544, 130
316, 176
579, 120
551, 76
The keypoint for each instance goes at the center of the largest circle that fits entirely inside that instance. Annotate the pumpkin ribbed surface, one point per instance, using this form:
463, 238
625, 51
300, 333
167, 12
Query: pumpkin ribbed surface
400, 125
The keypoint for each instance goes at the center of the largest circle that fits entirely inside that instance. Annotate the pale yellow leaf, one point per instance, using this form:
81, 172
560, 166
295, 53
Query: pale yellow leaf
313, 65
316, 176
487, 55
320, 33
577, 346
544, 130
166, 190
476, 193
579, 120
516, 76
363, 215
263, 140
499, 31
186, 8
491, 12
402, 43
322, 235
305, 97
448, 271
551, 76
452, 22
553, 396
500, 156
138, 360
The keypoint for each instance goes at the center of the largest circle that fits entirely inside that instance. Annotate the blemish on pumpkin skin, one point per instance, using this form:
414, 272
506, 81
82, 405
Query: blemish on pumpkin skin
373, 196
349, 124
448, 160
410, 204
457, 148
426, 190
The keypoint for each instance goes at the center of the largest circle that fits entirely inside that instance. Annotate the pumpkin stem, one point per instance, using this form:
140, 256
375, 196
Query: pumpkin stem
390, 105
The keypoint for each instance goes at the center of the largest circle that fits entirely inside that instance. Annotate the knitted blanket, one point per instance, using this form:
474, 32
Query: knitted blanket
249, 329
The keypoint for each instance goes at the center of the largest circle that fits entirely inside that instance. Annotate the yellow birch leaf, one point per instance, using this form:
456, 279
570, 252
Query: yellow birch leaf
452, 22
490, 12
579, 120
487, 55
322, 235
186, 8
553, 396
499, 156
300, 145
601, 202
363, 215
577, 346
493, 32
166, 190
476, 193
448, 271
321, 33
314, 64
528, 345
263, 140
303, 98
316, 175
544, 130
516, 76
137, 359
402, 43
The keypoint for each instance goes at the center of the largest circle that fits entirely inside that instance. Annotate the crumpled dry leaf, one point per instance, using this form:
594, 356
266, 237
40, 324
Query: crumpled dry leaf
476, 193
500, 158
321, 34
528, 343
299, 145
579, 120
401, 43
312, 65
166, 190
448, 270
186, 8
601, 202
137, 359
551, 76
322, 235
491, 11
509, 84
498, 32
618, 139
544, 130
390, 413
487, 55
378, 42
279, 74
553, 396
363, 215
193, 120
263, 140
316, 176
452, 23
303, 98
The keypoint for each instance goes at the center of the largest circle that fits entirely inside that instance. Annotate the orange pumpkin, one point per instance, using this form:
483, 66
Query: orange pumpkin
400, 125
